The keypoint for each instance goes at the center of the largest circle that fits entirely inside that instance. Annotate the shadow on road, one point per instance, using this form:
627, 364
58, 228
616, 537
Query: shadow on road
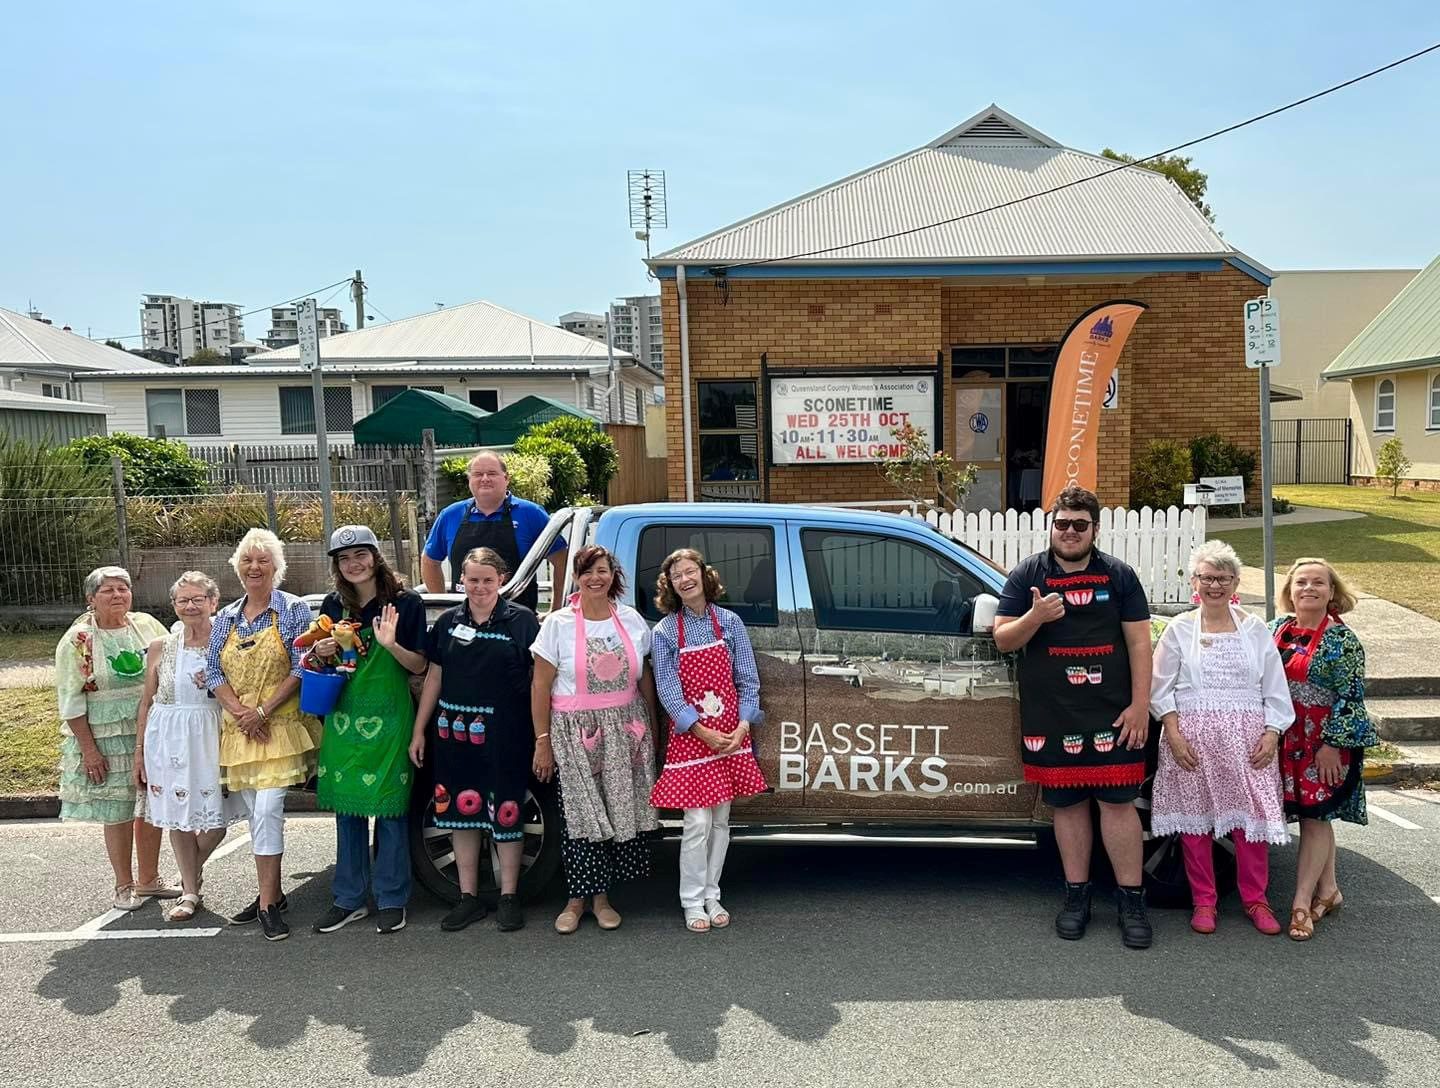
815, 928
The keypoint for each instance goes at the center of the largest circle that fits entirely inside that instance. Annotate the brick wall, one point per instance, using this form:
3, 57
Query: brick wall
1182, 371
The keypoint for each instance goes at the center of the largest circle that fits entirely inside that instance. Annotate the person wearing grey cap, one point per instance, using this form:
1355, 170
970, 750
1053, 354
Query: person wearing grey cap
364, 768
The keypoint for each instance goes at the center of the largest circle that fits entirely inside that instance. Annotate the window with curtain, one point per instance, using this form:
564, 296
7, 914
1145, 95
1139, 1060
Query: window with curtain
1385, 405
297, 409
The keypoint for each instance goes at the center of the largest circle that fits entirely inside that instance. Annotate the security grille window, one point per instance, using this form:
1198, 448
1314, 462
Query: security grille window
175, 412
297, 410
380, 395
863, 582
1385, 405
729, 431
743, 557
487, 400
1024, 361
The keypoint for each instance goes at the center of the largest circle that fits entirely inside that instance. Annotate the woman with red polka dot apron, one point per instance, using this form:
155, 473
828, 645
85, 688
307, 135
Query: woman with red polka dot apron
472, 726
709, 685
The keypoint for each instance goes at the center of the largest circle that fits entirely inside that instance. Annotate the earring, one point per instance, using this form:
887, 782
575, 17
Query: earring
1234, 598
1195, 597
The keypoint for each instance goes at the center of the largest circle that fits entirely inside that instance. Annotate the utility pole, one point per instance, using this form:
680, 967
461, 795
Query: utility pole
357, 292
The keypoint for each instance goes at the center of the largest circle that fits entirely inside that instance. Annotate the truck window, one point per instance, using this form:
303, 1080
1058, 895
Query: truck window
868, 582
744, 557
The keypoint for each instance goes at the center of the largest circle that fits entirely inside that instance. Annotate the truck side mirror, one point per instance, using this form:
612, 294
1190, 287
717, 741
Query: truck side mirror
986, 605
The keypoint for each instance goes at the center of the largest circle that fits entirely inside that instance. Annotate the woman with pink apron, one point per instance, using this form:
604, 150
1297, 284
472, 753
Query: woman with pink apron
709, 685
591, 702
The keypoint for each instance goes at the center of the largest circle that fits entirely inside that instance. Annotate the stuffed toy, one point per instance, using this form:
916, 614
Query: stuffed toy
321, 628
347, 634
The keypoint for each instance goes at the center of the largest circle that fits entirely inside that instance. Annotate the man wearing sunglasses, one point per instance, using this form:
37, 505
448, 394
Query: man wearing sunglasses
1081, 622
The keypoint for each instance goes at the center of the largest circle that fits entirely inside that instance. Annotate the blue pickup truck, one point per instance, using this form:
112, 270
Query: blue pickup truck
888, 709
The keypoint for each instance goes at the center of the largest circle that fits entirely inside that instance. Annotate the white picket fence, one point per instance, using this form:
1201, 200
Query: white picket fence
1157, 543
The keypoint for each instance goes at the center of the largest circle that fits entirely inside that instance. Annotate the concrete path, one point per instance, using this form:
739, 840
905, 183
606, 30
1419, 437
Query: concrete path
1301, 515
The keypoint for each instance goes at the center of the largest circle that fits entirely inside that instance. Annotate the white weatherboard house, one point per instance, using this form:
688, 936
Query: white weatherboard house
479, 352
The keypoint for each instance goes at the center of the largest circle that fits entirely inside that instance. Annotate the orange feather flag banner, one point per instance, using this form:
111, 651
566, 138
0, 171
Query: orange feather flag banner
1088, 355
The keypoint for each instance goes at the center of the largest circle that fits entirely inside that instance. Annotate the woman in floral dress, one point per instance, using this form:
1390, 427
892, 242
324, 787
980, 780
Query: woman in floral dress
1322, 761
1219, 691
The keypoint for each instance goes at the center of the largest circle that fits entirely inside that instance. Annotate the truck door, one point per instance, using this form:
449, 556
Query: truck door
907, 713
753, 561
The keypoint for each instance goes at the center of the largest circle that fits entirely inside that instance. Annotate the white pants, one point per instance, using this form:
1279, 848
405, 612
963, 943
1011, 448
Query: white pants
703, 842
265, 809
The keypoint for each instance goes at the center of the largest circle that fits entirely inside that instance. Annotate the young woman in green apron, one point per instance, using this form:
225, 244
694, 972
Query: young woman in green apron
363, 770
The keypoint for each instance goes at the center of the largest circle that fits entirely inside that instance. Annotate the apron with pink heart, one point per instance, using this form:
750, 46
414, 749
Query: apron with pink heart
604, 747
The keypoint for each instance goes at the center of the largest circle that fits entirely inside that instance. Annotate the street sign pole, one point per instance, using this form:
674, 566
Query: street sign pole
1262, 351
309, 336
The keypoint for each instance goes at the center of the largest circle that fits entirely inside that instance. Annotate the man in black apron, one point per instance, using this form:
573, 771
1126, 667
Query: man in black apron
1082, 624
490, 518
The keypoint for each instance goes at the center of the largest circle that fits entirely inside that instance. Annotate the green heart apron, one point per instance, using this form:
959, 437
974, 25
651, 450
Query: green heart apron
364, 766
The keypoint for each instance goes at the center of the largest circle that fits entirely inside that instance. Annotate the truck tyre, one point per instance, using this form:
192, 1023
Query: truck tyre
433, 862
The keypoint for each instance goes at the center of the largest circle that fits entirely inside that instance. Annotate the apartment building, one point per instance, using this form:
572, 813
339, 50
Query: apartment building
182, 326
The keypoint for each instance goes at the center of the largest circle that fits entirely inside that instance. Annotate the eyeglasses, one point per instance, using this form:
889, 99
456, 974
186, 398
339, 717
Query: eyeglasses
1080, 525
1214, 579
189, 602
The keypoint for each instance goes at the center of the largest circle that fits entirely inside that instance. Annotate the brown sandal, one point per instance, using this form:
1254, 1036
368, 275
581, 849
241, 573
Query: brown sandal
1302, 926
1322, 905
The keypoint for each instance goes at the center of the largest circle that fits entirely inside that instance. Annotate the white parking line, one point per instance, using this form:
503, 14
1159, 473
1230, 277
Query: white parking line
1398, 821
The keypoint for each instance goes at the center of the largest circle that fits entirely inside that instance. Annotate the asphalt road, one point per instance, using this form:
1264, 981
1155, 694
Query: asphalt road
846, 964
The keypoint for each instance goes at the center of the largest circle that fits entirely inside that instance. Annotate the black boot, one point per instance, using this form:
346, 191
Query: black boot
1074, 916
1135, 931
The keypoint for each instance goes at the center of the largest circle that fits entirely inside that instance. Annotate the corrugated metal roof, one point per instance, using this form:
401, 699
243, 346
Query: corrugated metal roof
475, 331
1405, 334
9, 398
991, 159
399, 371
27, 342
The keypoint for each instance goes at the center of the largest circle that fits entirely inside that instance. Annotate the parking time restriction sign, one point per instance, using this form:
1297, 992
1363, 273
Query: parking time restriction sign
1262, 333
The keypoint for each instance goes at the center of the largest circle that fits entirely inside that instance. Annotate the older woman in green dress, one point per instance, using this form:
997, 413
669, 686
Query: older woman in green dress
99, 677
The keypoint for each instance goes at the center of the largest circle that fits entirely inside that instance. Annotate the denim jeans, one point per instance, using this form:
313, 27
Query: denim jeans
353, 868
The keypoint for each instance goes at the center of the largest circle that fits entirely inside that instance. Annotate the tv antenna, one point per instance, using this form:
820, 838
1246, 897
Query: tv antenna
647, 203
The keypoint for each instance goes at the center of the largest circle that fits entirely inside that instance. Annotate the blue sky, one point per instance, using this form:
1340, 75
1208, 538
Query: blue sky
251, 152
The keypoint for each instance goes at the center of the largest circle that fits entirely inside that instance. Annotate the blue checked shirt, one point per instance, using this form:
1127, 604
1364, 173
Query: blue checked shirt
665, 652
294, 616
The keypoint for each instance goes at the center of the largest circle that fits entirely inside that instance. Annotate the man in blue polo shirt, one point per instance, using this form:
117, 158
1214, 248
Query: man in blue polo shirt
490, 518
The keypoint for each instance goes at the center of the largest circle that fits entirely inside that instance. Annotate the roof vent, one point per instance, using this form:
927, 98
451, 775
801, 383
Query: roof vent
992, 127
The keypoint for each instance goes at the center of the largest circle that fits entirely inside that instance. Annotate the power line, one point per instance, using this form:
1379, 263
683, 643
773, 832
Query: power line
722, 268
247, 313
370, 306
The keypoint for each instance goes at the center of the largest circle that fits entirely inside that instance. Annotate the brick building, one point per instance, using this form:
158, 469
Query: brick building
967, 309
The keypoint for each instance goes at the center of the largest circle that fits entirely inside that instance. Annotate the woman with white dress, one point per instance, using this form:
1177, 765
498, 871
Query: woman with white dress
177, 762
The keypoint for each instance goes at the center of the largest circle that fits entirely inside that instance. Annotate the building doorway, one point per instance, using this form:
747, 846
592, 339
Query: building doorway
1002, 400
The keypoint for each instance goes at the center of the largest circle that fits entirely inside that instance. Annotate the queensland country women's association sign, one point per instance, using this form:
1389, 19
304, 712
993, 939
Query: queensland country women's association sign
1087, 358
846, 420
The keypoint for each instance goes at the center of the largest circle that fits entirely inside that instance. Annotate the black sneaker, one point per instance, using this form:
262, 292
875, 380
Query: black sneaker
338, 918
273, 924
390, 920
1074, 916
507, 914
468, 910
252, 912
1135, 931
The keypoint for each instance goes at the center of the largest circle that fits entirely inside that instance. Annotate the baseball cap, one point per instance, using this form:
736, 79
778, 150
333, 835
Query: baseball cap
352, 536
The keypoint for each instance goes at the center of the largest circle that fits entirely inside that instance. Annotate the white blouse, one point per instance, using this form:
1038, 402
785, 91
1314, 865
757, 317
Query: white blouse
1177, 667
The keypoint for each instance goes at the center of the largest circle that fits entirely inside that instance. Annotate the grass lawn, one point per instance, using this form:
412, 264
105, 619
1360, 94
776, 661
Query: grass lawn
1393, 552
29, 741
36, 645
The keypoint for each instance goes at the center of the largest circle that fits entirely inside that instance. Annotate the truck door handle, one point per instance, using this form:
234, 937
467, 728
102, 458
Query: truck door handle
847, 671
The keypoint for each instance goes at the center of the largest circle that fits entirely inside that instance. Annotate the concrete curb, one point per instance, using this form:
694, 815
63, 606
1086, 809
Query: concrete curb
1402, 773
46, 806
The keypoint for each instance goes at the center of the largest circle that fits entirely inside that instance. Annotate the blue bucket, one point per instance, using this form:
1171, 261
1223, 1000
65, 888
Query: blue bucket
320, 691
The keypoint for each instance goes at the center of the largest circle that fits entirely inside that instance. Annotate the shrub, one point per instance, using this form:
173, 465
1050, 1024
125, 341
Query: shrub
567, 468
1391, 464
1211, 455
1159, 475
595, 447
303, 518
153, 466
529, 475
199, 520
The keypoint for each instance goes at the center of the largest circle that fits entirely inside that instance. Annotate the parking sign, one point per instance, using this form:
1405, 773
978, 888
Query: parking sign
1262, 333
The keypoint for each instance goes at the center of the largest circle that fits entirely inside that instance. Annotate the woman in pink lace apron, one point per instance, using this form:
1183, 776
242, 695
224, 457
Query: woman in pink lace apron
592, 700
709, 685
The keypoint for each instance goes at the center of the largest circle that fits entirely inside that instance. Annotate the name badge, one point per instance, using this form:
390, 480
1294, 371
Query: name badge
462, 632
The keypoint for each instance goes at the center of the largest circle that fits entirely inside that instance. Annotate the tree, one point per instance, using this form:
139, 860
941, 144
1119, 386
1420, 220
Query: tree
1178, 169
1391, 464
207, 357
925, 476
154, 355
116, 345
595, 447
152, 466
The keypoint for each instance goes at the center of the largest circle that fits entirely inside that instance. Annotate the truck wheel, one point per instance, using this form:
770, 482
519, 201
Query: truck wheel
432, 860
1164, 862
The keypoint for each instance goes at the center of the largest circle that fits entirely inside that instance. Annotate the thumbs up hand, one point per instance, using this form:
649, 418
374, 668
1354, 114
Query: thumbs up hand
1047, 609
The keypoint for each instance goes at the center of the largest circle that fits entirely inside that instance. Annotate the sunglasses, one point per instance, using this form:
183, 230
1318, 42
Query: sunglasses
1080, 525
